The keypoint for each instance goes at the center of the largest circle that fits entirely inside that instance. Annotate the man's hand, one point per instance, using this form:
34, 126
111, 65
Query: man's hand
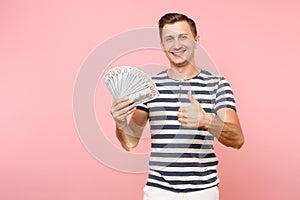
193, 116
120, 109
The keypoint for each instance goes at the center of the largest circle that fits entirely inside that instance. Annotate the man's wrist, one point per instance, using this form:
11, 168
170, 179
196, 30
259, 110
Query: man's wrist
121, 126
207, 120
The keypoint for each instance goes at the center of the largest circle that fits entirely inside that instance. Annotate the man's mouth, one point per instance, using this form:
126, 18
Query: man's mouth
178, 53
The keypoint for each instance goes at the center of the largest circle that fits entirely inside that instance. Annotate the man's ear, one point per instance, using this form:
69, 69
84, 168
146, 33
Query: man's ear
197, 39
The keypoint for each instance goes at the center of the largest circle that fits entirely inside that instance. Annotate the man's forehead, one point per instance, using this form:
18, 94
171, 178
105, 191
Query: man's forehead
173, 33
176, 29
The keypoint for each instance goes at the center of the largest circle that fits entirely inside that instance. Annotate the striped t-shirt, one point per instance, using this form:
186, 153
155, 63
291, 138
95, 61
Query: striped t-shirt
182, 159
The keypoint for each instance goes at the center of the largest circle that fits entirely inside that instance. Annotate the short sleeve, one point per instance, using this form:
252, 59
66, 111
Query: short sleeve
224, 96
143, 106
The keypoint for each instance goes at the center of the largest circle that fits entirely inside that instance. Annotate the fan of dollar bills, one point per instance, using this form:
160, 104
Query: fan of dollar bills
126, 81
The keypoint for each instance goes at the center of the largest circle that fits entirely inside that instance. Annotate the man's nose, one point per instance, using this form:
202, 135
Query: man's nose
177, 44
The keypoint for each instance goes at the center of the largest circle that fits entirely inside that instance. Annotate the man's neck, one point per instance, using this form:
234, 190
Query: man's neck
183, 72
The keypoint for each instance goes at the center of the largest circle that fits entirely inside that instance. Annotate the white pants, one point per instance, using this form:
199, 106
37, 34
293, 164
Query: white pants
153, 193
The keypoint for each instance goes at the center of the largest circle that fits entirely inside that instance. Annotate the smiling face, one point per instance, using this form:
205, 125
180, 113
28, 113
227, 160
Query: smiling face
178, 43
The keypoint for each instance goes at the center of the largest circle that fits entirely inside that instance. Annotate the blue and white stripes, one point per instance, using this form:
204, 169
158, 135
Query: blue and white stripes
182, 159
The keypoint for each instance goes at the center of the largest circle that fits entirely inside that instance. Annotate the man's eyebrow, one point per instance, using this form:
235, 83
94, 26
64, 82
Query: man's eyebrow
183, 34
166, 36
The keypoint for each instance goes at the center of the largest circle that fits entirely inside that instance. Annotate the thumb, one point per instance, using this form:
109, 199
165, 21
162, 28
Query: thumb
191, 97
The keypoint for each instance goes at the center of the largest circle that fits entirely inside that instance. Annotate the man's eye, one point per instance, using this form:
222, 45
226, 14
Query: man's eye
183, 37
168, 39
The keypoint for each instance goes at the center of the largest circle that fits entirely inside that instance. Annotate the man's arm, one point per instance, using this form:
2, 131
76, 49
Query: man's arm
225, 126
128, 134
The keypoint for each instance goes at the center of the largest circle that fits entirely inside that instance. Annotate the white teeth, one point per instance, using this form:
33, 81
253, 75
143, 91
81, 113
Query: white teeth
178, 52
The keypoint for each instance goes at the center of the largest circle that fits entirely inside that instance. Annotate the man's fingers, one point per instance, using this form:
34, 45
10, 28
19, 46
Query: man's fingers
119, 104
179, 114
125, 114
185, 123
120, 100
183, 109
182, 115
124, 109
182, 120
131, 108
191, 97
122, 105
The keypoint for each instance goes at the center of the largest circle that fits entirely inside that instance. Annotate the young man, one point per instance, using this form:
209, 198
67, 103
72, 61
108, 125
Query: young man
193, 108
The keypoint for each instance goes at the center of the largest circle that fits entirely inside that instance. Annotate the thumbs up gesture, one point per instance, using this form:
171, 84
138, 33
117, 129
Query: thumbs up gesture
193, 116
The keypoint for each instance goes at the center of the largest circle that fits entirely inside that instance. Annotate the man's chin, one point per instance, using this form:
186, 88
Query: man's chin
180, 63
177, 61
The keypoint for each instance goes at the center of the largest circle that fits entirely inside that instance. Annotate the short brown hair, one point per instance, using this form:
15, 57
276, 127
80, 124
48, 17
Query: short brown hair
171, 18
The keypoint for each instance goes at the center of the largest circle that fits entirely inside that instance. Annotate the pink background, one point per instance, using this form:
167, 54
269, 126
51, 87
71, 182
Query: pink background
255, 45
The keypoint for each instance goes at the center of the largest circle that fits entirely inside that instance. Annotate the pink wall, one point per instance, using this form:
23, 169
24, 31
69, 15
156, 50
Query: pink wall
43, 44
